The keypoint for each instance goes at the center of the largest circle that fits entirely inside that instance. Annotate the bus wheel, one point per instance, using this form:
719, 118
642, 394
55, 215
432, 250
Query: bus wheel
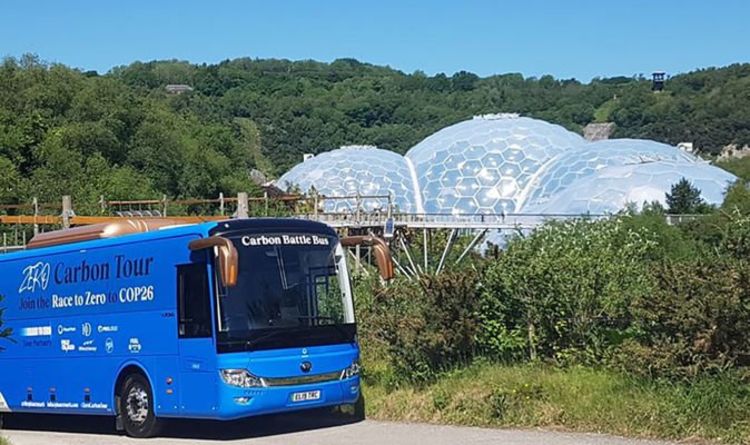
137, 408
359, 408
353, 412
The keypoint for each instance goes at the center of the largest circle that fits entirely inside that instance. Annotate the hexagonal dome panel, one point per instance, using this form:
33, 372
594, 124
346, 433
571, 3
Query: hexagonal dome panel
488, 161
352, 170
611, 189
566, 168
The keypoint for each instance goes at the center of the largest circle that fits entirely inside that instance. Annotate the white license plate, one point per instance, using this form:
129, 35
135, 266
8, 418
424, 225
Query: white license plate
305, 396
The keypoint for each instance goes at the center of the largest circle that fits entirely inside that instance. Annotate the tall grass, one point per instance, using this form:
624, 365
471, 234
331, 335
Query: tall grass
578, 399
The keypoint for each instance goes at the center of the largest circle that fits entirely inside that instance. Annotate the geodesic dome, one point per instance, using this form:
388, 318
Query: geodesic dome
611, 189
486, 164
356, 170
566, 168
501, 164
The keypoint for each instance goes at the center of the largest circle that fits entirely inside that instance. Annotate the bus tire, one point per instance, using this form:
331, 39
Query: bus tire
359, 408
137, 408
352, 412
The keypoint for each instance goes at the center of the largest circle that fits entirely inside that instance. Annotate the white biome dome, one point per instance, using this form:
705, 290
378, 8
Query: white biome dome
567, 168
612, 189
502, 164
486, 164
356, 170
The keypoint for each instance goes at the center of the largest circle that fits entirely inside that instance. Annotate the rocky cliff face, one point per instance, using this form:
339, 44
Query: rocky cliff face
598, 131
733, 151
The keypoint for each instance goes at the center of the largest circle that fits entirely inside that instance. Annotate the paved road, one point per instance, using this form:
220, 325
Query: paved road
291, 430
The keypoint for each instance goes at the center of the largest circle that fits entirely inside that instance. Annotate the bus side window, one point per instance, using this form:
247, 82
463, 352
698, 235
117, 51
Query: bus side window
193, 304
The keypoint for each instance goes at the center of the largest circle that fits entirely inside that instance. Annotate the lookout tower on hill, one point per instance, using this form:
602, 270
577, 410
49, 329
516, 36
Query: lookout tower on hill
657, 80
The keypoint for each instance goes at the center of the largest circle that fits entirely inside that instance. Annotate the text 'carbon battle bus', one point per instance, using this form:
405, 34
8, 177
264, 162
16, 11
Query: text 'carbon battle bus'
145, 320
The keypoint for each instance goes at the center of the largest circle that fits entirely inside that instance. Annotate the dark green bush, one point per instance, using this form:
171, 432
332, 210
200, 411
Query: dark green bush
696, 321
735, 239
429, 325
375, 348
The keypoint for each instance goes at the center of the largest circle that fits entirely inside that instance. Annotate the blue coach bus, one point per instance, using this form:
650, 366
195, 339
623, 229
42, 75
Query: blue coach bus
145, 320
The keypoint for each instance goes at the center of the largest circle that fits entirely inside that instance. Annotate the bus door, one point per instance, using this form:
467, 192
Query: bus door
196, 344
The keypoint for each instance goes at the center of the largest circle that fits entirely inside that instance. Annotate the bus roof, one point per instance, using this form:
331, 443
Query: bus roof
203, 230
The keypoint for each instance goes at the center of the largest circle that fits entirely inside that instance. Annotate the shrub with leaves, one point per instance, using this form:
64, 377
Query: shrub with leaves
735, 240
565, 290
429, 325
696, 321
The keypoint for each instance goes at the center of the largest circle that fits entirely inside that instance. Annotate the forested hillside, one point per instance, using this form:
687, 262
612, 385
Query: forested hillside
121, 134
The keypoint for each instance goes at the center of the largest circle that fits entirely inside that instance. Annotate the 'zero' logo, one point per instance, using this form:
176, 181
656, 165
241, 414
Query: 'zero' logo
36, 275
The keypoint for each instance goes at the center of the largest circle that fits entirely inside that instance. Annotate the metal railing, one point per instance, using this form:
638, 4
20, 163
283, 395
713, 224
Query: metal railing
446, 220
364, 211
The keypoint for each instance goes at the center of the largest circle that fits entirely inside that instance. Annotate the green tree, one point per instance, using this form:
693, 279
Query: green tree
11, 182
737, 199
685, 199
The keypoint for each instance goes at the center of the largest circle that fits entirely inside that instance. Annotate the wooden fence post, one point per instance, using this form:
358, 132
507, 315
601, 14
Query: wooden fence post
242, 208
67, 211
35, 202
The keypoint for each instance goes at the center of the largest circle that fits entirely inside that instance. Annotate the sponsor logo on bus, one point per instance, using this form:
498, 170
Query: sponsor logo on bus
94, 405
67, 345
134, 345
87, 346
109, 345
36, 331
107, 328
65, 329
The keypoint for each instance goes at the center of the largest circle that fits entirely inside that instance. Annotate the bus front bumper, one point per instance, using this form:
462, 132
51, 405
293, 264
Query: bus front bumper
236, 402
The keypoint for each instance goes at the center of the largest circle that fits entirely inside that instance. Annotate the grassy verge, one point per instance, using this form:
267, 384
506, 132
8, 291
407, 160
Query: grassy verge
577, 399
4, 441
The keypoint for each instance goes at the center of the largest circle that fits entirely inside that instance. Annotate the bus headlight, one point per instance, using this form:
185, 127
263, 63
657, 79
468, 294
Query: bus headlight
241, 378
351, 371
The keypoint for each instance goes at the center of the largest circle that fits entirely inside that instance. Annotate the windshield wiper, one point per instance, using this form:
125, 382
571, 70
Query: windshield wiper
252, 342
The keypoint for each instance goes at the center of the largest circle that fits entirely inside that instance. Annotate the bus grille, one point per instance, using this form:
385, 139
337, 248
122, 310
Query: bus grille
303, 379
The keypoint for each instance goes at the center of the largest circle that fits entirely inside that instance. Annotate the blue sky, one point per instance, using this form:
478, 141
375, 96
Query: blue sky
573, 38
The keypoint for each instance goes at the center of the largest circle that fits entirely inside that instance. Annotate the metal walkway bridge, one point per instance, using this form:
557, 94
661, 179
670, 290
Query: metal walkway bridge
500, 221
402, 229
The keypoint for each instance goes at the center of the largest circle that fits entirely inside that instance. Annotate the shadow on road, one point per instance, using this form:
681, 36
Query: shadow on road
253, 427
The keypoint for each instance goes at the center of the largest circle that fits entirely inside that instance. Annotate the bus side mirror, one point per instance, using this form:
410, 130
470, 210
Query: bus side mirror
379, 248
227, 255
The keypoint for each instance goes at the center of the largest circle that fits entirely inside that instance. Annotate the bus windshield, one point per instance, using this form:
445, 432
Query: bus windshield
293, 285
